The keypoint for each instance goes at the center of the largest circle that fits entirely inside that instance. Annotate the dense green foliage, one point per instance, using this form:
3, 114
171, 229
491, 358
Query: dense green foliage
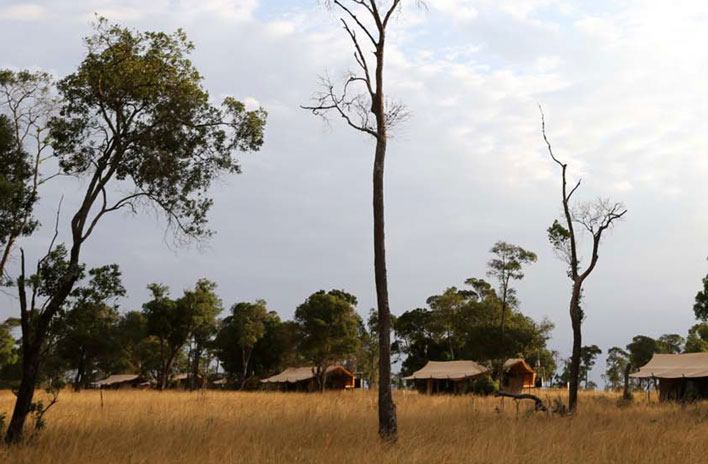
329, 328
464, 324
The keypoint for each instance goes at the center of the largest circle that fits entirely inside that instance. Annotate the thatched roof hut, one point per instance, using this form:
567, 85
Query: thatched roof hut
518, 375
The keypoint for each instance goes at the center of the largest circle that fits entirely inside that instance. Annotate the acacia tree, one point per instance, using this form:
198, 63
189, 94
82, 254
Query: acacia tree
362, 103
203, 306
507, 265
86, 331
594, 218
617, 361
328, 324
248, 321
26, 105
700, 307
588, 354
137, 125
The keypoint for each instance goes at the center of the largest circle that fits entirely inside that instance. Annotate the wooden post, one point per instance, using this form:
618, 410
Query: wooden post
101, 390
429, 388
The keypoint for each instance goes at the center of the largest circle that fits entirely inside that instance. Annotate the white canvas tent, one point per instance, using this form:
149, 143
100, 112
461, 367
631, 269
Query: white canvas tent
447, 375
680, 376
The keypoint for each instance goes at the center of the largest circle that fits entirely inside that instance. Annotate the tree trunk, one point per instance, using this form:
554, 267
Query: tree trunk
78, 380
627, 395
197, 353
25, 394
245, 358
323, 380
501, 340
165, 374
576, 321
388, 427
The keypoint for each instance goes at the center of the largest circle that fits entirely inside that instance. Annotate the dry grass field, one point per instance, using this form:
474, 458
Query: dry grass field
231, 427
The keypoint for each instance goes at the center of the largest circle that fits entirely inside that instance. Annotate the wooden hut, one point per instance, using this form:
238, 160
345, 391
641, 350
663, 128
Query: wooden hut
518, 376
446, 376
123, 382
680, 376
305, 379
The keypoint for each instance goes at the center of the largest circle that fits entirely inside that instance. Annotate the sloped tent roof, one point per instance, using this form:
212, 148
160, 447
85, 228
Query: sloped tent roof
454, 370
299, 374
518, 365
118, 378
674, 366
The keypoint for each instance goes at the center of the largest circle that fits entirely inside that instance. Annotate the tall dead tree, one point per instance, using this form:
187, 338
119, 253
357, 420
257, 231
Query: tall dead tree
362, 104
594, 218
27, 103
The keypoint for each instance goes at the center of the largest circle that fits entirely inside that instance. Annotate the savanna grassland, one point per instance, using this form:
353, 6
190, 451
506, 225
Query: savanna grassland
232, 427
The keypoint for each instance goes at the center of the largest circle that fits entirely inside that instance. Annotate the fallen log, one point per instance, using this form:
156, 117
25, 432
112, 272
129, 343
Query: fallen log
540, 406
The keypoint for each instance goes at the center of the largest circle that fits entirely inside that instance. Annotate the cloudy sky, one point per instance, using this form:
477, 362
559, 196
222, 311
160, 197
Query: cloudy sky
623, 87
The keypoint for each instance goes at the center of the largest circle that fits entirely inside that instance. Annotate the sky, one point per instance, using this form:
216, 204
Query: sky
622, 84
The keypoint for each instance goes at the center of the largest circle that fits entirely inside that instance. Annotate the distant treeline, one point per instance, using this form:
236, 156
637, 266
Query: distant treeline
193, 334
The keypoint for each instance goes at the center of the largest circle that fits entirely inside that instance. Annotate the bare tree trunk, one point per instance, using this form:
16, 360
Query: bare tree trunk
196, 355
25, 394
627, 395
388, 426
576, 321
78, 380
502, 334
245, 358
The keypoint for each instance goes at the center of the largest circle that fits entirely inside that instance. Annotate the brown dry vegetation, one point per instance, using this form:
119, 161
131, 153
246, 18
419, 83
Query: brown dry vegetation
231, 427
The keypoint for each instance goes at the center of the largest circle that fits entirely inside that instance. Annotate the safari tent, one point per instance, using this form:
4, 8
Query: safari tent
681, 376
446, 376
518, 376
122, 382
305, 379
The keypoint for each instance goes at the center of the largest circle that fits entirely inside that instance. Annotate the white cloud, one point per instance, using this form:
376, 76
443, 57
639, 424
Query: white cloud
23, 12
623, 87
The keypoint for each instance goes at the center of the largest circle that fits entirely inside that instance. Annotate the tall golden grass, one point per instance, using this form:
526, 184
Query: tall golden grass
231, 427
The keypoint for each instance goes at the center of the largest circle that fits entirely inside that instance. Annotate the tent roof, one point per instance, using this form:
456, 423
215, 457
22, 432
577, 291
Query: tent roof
518, 365
674, 366
118, 378
448, 370
298, 374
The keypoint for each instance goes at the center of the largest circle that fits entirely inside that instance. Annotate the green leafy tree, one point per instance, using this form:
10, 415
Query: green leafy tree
26, 105
697, 340
700, 308
367, 358
135, 353
169, 324
616, 363
203, 306
641, 350
175, 322
588, 355
416, 339
446, 309
272, 352
85, 336
328, 324
8, 344
470, 319
137, 125
249, 323
594, 219
670, 344
505, 267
